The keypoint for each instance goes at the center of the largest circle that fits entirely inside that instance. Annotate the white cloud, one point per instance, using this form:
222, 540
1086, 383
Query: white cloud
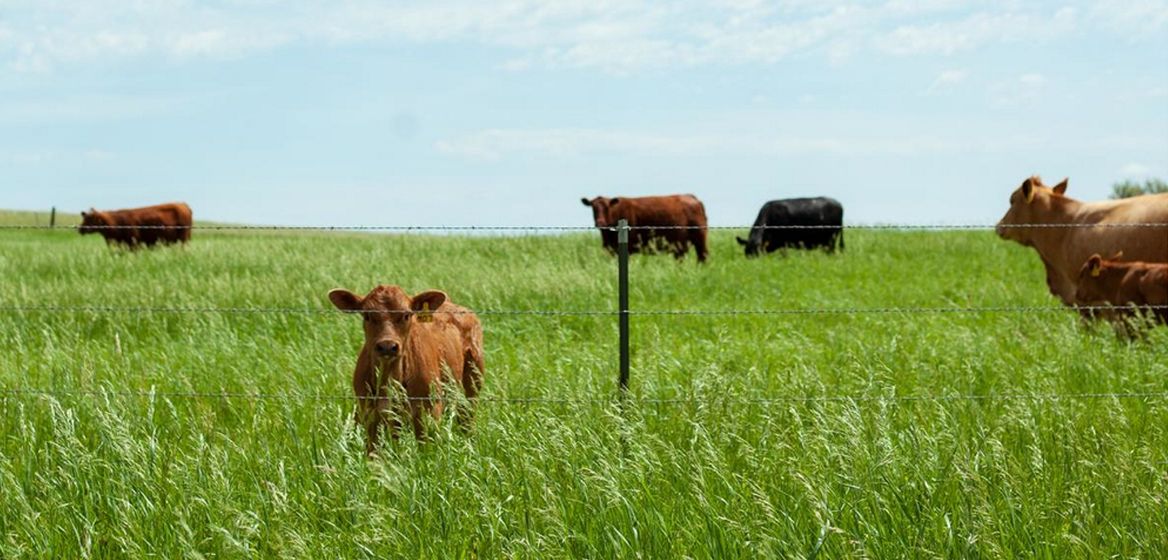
974, 31
85, 108
1135, 19
565, 143
947, 79
1135, 170
616, 35
1024, 90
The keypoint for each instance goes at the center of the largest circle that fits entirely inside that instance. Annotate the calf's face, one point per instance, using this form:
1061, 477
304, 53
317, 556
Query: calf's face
388, 315
1090, 285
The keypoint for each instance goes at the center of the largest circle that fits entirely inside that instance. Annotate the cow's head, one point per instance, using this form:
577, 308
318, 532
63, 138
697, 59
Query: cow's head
753, 245
389, 315
92, 221
1030, 203
600, 210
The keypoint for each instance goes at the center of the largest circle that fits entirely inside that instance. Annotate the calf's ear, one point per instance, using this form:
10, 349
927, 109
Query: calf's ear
1061, 188
585, 201
1095, 265
428, 300
345, 300
741, 241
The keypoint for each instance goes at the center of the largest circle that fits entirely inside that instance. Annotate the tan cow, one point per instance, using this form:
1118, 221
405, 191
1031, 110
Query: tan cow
412, 345
1123, 284
1064, 249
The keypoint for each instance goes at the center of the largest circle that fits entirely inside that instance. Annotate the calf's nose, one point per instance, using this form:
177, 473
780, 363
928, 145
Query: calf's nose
388, 348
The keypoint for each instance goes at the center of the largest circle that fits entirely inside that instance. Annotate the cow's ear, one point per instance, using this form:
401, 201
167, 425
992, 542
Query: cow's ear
1061, 188
614, 200
429, 300
345, 300
586, 201
741, 241
1028, 189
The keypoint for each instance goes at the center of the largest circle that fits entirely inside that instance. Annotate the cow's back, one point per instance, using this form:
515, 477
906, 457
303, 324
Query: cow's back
1119, 230
670, 210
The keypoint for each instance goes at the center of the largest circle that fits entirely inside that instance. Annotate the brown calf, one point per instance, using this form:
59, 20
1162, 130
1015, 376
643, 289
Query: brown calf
649, 212
163, 223
411, 346
1123, 284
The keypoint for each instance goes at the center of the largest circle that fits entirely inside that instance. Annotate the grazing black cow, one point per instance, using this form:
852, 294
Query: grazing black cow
819, 211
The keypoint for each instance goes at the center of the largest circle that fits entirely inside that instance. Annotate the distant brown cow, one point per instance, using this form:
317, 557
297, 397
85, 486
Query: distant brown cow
411, 346
653, 211
1097, 227
134, 227
1123, 284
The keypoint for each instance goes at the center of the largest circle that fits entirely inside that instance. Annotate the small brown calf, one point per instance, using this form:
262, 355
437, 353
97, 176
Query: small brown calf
1123, 285
412, 345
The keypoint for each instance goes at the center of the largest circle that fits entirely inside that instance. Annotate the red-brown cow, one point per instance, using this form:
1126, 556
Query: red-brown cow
1066, 231
649, 212
412, 345
1123, 285
134, 227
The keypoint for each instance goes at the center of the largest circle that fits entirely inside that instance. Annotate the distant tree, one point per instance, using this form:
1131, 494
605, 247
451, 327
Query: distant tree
1129, 188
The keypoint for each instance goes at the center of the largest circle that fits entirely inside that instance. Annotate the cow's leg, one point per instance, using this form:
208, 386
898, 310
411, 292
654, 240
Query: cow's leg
472, 382
699, 240
418, 411
369, 417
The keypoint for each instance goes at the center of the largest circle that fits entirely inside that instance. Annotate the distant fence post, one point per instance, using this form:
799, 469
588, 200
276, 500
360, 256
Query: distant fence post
53, 217
622, 254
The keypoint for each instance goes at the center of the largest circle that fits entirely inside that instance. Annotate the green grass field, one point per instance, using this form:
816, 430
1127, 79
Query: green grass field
100, 471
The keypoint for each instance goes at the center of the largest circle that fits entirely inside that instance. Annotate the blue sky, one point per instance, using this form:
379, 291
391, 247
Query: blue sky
507, 112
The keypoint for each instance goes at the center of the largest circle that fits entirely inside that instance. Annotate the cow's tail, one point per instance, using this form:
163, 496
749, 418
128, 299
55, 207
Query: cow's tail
841, 239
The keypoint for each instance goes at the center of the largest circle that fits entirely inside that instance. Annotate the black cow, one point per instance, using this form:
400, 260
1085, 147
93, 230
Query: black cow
819, 211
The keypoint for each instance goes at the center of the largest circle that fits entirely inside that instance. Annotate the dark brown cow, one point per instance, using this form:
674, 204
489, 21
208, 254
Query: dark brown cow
411, 346
650, 212
1123, 285
134, 227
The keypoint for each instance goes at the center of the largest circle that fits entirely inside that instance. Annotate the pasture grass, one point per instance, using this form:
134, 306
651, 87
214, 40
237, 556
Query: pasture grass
98, 471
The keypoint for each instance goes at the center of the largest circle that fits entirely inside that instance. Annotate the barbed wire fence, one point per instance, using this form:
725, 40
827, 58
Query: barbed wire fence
622, 313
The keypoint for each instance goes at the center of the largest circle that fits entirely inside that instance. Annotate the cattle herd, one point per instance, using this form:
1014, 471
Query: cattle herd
414, 344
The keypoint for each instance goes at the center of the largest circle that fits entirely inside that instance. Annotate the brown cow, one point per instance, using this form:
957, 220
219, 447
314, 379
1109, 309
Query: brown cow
1123, 284
163, 223
653, 211
411, 346
1097, 227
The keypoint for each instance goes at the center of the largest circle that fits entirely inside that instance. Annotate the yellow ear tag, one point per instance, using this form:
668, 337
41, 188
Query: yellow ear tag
1095, 270
425, 316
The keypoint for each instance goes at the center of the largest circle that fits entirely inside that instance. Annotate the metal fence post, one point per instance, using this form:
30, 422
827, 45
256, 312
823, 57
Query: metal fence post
53, 217
622, 232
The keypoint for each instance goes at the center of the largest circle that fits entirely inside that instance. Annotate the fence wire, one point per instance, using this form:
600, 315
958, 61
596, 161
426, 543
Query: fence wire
612, 399
908, 310
930, 227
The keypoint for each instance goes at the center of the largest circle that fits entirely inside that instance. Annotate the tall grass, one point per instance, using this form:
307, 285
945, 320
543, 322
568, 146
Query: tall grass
94, 472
